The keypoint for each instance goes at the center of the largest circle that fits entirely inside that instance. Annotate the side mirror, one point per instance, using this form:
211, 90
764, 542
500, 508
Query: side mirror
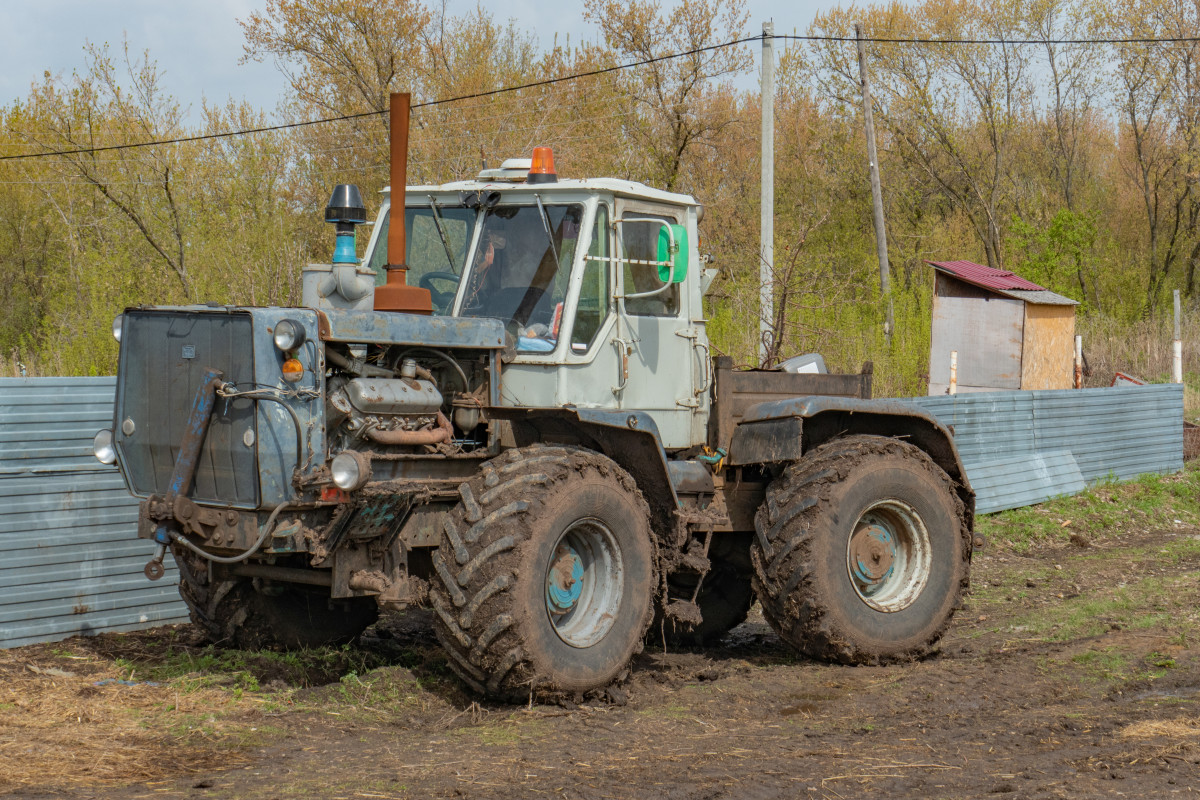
671, 254
673, 249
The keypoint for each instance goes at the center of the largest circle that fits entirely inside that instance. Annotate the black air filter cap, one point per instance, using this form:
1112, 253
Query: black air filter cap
346, 205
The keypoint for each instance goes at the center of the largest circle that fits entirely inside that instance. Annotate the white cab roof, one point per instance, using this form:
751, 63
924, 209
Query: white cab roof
616, 186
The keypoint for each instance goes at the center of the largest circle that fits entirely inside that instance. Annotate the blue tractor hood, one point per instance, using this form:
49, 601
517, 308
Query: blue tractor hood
390, 327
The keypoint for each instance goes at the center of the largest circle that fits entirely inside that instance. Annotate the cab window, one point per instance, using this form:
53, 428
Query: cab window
521, 270
595, 298
433, 262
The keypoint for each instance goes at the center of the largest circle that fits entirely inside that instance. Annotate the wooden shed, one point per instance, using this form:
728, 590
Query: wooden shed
1009, 332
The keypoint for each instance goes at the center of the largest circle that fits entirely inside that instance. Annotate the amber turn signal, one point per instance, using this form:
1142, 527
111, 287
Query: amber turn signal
292, 370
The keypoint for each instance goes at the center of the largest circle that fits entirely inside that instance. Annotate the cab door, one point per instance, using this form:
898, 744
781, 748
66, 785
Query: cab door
588, 375
653, 338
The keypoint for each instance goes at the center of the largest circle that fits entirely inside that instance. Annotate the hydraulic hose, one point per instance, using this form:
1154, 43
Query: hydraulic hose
358, 366
444, 357
270, 394
179, 538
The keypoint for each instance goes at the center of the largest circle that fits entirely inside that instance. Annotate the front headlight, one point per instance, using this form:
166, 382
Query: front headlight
289, 335
118, 323
102, 446
350, 470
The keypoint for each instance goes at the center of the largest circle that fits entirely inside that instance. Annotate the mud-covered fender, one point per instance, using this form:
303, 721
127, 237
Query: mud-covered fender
630, 438
779, 431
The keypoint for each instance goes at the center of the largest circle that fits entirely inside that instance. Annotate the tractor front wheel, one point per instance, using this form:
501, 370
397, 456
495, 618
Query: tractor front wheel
545, 574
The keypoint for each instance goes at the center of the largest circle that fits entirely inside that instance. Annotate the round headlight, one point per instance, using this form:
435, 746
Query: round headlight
118, 323
102, 446
350, 470
289, 335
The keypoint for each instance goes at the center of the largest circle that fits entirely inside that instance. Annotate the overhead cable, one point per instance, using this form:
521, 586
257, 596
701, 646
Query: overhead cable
593, 73
427, 104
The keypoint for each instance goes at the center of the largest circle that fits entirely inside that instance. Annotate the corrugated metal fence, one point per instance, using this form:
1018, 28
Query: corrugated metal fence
70, 561
1020, 448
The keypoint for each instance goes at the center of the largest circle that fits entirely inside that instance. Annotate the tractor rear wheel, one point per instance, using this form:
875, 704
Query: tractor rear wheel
544, 574
862, 552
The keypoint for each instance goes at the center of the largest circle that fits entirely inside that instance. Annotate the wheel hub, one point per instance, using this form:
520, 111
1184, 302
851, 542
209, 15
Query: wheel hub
564, 582
888, 556
585, 579
872, 555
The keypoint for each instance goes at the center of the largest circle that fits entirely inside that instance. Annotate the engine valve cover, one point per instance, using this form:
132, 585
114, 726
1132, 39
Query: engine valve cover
393, 396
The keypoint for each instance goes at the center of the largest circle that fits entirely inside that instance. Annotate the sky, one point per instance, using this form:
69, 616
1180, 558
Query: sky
198, 43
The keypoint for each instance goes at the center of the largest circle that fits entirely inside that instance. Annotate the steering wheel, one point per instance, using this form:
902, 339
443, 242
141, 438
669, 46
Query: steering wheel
440, 299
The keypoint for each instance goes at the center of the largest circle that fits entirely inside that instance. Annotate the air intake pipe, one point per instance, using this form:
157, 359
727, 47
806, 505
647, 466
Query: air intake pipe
345, 210
396, 294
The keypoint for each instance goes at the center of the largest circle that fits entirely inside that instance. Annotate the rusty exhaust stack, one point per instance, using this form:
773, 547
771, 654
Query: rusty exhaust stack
396, 294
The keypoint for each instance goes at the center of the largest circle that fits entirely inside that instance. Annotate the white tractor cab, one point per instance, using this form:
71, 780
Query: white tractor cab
590, 277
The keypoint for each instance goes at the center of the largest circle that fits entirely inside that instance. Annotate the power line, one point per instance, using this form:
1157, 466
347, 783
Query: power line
187, 139
596, 72
918, 40
428, 104
429, 126
423, 140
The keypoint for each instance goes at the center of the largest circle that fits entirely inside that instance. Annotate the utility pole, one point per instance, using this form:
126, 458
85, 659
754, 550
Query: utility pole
1177, 347
876, 190
766, 264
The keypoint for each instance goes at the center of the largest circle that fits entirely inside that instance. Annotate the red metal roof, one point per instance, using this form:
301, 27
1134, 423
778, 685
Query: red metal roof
988, 278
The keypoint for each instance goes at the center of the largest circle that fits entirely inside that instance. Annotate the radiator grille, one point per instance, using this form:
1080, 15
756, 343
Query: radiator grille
164, 355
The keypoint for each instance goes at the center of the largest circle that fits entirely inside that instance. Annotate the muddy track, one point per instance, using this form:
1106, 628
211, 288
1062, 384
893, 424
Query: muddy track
1079, 681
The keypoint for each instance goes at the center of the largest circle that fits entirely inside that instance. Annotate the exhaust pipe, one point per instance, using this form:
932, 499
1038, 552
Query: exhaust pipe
396, 294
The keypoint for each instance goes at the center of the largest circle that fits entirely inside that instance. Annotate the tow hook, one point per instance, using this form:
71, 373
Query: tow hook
154, 568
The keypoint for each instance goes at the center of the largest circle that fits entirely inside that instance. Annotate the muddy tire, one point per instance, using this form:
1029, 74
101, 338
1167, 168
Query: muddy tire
248, 615
862, 552
725, 595
544, 575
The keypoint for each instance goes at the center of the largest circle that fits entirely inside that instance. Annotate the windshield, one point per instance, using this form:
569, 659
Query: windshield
521, 269
436, 249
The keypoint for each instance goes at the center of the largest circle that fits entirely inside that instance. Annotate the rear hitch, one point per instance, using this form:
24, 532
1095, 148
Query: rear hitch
154, 568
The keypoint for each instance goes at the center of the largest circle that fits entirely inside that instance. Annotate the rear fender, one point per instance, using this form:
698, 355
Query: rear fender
780, 431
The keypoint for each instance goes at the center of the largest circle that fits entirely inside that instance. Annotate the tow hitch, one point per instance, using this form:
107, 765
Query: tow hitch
154, 568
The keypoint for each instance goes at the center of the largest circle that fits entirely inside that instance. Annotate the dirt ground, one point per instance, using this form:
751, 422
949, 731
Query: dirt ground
1073, 671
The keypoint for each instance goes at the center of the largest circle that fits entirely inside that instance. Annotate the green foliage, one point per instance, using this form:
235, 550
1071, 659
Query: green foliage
1080, 176
1107, 664
1054, 255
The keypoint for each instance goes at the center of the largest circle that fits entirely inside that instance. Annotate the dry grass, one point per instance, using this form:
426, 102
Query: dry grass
15, 365
1143, 350
59, 728
1166, 741
1161, 728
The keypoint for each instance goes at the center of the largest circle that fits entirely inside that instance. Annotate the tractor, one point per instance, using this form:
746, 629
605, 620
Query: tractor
508, 412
